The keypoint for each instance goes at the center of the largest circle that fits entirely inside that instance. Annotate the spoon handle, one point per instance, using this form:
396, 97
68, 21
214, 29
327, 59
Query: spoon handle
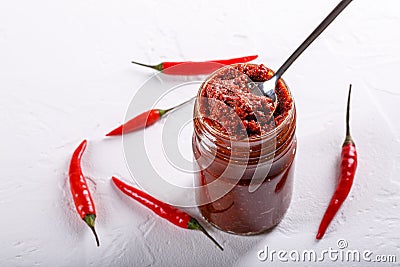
321, 27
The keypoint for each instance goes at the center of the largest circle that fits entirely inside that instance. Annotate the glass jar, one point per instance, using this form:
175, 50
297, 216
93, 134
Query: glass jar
253, 177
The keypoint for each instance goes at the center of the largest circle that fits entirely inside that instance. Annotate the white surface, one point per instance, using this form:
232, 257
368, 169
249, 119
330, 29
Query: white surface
65, 75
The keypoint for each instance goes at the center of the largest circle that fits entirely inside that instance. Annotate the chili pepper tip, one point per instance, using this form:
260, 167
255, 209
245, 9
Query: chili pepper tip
195, 225
116, 131
251, 58
89, 220
319, 235
82, 145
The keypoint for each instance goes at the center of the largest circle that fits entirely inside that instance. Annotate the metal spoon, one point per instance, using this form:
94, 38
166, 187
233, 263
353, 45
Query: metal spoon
268, 87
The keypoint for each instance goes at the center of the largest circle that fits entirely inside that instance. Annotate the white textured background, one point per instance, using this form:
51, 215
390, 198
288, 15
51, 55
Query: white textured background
65, 75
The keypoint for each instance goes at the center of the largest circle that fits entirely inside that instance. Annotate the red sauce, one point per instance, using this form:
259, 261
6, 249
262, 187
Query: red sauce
233, 109
226, 114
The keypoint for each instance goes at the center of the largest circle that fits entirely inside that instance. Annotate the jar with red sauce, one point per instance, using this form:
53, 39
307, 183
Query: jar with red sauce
244, 153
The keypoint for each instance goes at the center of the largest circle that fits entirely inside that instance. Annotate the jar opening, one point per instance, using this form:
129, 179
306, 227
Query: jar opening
230, 110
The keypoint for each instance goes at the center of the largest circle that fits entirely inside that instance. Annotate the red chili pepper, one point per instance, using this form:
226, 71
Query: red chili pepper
348, 166
80, 191
195, 68
164, 210
143, 120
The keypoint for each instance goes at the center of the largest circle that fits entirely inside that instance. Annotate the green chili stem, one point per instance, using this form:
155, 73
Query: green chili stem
195, 225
